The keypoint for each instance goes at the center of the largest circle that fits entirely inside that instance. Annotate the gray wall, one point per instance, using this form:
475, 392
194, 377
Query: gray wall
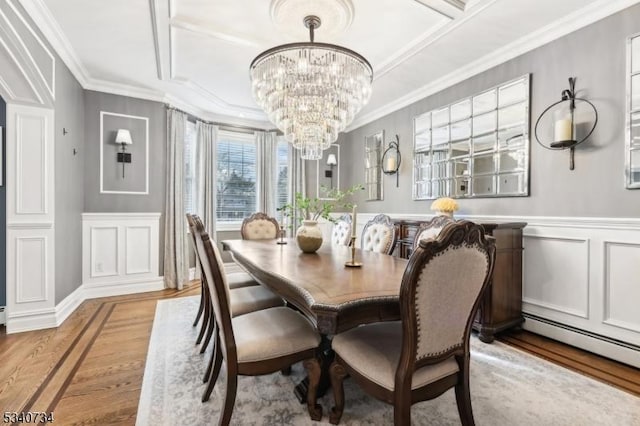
3, 211
153, 202
69, 170
118, 203
133, 177
596, 55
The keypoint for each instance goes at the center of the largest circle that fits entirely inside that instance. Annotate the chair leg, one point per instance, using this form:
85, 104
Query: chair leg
207, 316
201, 307
214, 354
210, 329
402, 412
337, 374
463, 396
313, 371
216, 359
230, 396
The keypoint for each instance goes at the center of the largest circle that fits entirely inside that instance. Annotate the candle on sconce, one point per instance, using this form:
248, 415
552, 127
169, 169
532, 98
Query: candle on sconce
391, 164
354, 221
563, 130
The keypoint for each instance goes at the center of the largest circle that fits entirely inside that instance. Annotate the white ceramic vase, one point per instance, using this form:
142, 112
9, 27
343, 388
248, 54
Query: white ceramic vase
309, 236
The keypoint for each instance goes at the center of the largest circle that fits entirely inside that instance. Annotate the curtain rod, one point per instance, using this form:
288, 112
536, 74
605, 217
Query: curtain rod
225, 126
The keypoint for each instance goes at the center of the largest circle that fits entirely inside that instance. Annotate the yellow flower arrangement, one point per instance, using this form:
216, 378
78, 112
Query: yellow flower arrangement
444, 204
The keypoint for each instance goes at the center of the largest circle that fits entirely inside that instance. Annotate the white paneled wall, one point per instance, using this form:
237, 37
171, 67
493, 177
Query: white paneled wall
120, 253
30, 219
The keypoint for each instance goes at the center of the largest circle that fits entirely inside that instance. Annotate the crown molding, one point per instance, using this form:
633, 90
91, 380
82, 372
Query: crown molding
123, 90
41, 16
209, 116
570, 23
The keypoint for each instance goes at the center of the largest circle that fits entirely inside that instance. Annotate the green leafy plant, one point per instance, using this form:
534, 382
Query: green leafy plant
305, 208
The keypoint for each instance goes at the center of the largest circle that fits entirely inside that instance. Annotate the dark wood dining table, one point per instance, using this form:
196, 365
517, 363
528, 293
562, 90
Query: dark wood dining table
334, 297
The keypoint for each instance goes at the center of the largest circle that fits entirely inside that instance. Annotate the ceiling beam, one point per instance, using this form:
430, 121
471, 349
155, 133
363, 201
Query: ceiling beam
449, 8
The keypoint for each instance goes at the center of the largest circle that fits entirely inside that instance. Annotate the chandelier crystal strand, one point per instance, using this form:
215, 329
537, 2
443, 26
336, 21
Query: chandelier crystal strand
311, 91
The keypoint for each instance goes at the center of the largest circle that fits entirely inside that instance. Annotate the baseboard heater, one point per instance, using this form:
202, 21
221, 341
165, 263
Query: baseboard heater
583, 332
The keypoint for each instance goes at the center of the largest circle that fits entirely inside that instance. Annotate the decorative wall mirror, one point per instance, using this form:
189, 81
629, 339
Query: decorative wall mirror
476, 147
373, 149
328, 171
632, 172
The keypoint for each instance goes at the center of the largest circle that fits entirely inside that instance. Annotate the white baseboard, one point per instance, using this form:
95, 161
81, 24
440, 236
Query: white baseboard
54, 317
93, 291
3, 318
69, 304
32, 320
596, 345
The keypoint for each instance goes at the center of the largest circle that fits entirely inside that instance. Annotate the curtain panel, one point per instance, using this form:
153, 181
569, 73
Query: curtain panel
176, 260
206, 173
297, 183
266, 171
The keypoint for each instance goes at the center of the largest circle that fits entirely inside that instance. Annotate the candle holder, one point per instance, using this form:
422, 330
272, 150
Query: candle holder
566, 123
282, 232
392, 153
352, 263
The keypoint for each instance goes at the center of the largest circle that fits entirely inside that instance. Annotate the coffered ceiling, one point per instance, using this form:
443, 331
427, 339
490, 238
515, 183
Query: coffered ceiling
195, 54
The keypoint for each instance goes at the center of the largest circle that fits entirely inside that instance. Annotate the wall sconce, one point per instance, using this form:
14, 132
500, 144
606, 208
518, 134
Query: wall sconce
566, 123
332, 161
391, 160
123, 137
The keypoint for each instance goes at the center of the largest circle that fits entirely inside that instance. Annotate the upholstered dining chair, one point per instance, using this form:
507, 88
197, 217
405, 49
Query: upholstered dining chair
341, 233
379, 235
259, 226
427, 352
245, 296
431, 229
257, 343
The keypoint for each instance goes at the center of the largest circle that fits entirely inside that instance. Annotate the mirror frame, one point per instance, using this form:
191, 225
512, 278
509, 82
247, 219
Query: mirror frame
526, 148
373, 138
630, 182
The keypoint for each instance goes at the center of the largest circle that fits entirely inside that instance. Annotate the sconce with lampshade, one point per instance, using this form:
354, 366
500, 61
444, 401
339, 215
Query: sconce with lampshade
123, 138
332, 161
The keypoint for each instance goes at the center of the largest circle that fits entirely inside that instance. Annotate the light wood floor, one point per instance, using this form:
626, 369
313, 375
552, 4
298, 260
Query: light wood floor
89, 370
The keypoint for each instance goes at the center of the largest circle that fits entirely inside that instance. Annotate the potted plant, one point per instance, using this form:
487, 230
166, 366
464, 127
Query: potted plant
307, 211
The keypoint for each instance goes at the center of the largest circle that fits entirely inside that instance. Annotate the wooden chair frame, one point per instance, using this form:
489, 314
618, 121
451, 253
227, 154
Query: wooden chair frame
402, 397
385, 220
436, 221
228, 351
258, 216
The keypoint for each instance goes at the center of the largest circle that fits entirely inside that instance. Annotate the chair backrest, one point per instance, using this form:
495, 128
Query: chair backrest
379, 235
213, 270
431, 229
440, 293
259, 226
341, 234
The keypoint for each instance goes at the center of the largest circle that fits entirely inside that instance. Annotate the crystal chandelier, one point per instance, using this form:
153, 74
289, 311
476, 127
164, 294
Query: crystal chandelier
311, 91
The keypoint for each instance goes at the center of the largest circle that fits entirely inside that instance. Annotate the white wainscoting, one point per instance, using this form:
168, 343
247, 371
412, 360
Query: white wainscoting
30, 218
581, 280
120, 253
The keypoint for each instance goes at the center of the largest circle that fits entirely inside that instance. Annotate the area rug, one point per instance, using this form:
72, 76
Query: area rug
508, 387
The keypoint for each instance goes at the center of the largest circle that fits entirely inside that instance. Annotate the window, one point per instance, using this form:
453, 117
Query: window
282, 183
190, 137
236, 192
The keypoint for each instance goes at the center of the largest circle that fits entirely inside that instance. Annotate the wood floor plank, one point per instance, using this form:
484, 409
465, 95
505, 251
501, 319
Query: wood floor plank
89, 371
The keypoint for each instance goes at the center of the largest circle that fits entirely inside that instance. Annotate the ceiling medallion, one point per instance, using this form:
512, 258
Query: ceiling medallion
311, 91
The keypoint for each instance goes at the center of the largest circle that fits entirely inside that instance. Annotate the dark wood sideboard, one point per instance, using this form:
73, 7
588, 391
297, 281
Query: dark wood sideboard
501, 305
